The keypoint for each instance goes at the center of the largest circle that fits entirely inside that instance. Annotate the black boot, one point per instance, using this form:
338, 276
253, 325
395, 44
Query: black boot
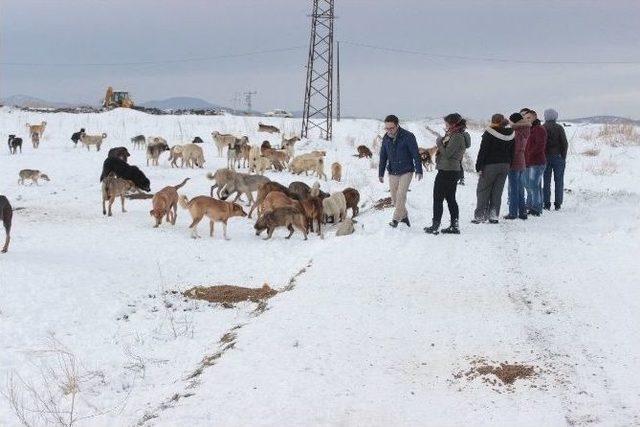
435, 226
547, 206
557, 206
452, 229
406, 221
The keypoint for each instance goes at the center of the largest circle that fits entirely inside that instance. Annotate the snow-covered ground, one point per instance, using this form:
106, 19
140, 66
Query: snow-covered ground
378, 328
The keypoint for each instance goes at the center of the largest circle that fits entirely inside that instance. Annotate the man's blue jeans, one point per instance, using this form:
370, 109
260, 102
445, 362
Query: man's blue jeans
555, 165
516, 194
534, 187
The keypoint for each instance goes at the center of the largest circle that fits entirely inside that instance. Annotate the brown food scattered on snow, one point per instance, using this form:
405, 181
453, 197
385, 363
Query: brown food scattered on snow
230, 294
507, 373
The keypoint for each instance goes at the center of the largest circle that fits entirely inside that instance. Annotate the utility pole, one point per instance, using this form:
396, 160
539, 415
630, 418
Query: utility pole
338, 78
247, 99
318, 94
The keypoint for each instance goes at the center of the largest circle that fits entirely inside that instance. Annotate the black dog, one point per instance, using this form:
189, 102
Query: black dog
197, 140
119, 153
76, 136
125, 171
6, 212
14, 144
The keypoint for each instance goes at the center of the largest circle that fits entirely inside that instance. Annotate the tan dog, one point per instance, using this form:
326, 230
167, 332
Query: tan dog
336, 171
39, 129
89, 140
112, 187
277, 199
33, 174
427, 157
165, 202
216, 210
175, 153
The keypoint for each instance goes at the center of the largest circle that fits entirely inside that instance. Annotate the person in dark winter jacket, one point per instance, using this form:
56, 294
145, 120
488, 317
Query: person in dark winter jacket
399, 156
76, 136
493, 162
556, 153
451, 149
521, 128
536, 162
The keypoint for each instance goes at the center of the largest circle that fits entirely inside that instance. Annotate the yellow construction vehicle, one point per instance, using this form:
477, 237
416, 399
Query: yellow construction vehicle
117, 99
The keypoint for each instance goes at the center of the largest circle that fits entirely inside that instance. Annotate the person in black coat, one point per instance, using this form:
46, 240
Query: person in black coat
493, 163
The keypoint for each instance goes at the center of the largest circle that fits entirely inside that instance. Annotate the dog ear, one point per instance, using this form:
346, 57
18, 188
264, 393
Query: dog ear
151, 212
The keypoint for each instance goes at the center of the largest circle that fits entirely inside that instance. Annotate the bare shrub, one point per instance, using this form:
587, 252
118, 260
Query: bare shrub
619, 135
604, 168
591, 152
55, 394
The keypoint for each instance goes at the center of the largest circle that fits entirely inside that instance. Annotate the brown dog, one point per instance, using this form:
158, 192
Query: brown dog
267, 188
165, 202
275, 200
352, 196
312, 208
282, 217
216, 210
363, 151
112, 187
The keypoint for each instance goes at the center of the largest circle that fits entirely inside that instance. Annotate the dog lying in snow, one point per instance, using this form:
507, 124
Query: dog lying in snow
215, 210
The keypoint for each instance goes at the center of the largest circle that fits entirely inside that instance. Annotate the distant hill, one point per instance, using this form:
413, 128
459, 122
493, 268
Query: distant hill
180, 103
601, 120
33, 102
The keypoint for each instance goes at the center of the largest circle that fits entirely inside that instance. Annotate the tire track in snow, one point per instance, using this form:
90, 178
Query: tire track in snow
549, 319
227, 342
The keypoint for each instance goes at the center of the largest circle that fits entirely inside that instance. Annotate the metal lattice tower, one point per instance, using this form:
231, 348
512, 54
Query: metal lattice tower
318, 94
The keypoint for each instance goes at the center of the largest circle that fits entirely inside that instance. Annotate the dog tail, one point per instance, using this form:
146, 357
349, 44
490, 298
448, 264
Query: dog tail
210, 176
181, 184
184, 202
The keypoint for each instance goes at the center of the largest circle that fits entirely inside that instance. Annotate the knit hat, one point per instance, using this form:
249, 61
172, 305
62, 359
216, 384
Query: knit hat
515, 117
550, 115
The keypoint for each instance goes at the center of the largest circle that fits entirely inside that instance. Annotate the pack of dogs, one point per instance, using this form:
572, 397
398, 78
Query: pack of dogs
296, 207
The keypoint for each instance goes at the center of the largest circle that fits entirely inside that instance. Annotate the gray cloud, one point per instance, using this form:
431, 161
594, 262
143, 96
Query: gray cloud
374, 82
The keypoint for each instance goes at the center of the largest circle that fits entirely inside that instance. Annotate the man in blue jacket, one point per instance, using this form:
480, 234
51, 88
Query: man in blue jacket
399, 155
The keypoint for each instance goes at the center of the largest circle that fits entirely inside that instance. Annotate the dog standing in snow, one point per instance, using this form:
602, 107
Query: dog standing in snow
6, 212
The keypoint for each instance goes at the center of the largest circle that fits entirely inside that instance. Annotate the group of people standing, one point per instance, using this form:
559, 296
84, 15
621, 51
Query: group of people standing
520, 149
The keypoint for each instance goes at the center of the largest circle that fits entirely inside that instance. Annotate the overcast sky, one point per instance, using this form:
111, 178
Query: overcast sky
374, 82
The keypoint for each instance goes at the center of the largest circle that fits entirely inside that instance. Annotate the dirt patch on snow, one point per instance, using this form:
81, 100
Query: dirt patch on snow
503, 373
383, 203
230, 294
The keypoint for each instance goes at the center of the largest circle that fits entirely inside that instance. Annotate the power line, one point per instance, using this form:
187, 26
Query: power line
166, 61
487, 59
